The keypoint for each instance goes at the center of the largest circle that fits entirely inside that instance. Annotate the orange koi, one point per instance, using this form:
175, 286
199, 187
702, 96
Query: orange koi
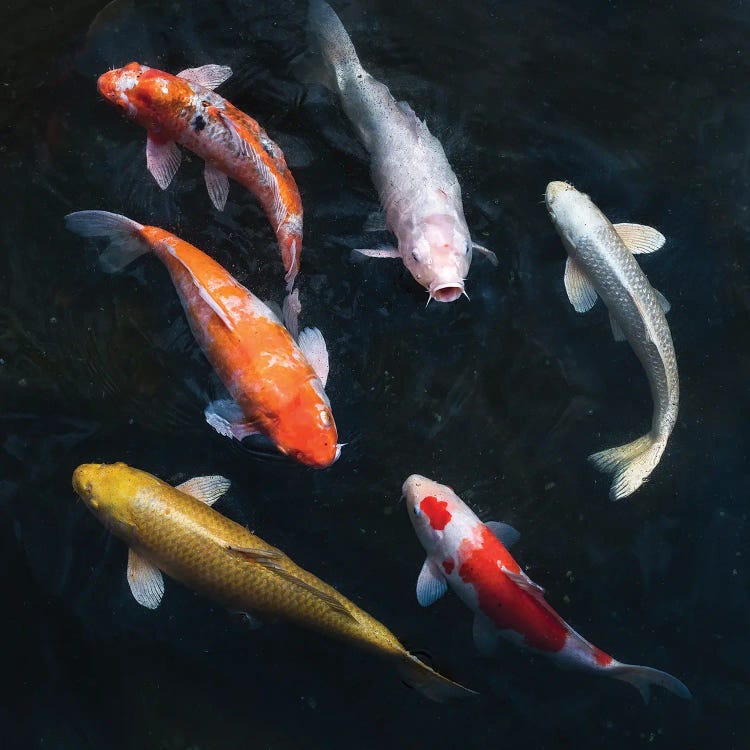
276, 384
184, 109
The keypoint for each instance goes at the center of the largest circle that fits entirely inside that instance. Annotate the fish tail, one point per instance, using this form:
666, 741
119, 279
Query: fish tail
630, 464
428, 682
340, 58
126, 240
643, 677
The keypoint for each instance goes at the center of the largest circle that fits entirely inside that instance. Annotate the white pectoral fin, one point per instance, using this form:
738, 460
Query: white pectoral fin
485, 634
663, 301
383, 252
639, 238
206, 489
163, 160
505, 533
524, 582
581, 293
217, 184
226, 417
313, 346
616, 330
145, 580
208, 76
431, 584
491, 257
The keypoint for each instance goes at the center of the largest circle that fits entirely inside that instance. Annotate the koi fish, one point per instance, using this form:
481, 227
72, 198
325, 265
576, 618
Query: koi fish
473, 559
417, 187
184, 109
600, 261
175, 530
277, 385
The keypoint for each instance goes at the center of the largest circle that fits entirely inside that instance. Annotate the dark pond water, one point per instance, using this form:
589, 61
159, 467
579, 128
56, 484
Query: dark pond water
643, 105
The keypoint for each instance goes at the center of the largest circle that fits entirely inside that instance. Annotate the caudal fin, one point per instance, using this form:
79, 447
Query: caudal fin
643, 677
340, 61
630, 464
126, 240
428, 682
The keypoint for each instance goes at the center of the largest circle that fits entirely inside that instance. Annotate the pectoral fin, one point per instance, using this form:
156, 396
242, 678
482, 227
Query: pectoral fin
485, 634
375, 222
383, 252
431, 584
162, 159
491, 257
616, 330
206, 489
226, 417
505, 533
639, 238
208, 76
313, 346
217, 184
145, 580
581, 293
663, 301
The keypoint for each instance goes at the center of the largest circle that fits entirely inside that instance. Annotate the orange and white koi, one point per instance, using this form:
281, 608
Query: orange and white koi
277, 385
184, 109
472, 558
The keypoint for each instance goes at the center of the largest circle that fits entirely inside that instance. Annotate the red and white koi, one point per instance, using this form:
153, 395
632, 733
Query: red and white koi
276, 384
473, 559
184, 109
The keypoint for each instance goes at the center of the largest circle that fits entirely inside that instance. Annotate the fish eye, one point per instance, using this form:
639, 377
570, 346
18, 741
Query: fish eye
415, 254
325, 418
204, 103
417, 511
468, 249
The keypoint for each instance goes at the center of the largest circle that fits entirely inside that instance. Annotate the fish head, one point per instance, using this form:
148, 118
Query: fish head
107, 490
307, 431
144, 94
434, 510
438, 256
572, 212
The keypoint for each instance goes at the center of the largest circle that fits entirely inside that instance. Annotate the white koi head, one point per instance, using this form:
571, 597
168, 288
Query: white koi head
573, 213
437, 514
438, 255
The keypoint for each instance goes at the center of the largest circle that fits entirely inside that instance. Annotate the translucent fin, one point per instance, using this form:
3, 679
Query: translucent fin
206, 489
163, 160
313, 346
375, 222
383, 252
630, 464
616, 330
145, 580
217, 184
643, 677
431, 584
580, 292
126, 241
524, 582
485, 634
505, 533
639, 238
226, 417
429, 682
491, 257
291, 312
208, 76
663, 301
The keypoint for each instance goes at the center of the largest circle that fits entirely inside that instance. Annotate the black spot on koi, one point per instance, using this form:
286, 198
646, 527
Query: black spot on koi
199, 123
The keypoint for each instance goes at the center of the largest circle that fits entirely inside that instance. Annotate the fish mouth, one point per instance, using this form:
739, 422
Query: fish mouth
554, 189
448, 292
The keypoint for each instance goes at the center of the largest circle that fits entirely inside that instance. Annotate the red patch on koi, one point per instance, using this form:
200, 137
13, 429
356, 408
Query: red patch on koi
448, 565
437, 511
504, 602
601, 658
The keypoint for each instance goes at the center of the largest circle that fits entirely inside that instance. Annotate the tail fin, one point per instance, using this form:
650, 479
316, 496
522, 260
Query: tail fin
631, 464
339, 56
428, 682
126, 241
643, 677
